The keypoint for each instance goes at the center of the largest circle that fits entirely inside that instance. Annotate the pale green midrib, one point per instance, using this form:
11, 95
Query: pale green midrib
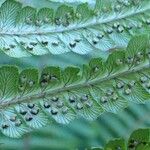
94, 22
54, 92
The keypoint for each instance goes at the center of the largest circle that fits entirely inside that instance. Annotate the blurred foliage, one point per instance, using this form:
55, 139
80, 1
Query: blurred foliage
138, 140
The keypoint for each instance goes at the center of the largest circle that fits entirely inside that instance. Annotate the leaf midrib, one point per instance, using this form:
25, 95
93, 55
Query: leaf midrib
54, 92
93, 22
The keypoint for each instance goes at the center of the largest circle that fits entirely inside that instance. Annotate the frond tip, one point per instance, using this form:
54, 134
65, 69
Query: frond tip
26, 31
29, 100
139, 140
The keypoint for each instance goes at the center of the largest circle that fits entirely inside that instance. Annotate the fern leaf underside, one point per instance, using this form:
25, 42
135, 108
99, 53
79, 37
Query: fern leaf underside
26, 31
29, 100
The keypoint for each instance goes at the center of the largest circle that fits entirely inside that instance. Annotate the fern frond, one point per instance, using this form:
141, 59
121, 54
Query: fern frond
28, 100
26, 31
96, 133
139, 140
73, 1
